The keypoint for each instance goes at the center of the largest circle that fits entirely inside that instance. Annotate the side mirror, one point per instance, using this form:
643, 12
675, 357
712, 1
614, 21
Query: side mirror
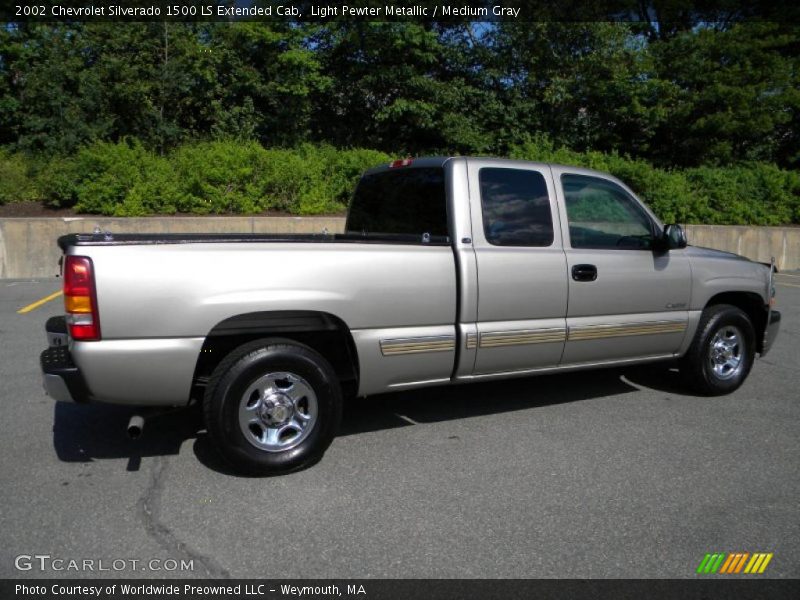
674, 237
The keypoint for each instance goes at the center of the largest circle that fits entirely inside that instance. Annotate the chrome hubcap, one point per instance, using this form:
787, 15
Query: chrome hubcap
277, 411
725, 352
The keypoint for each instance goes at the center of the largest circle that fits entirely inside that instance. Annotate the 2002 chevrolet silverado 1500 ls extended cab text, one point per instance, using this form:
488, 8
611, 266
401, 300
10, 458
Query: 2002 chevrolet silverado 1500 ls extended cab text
450, 270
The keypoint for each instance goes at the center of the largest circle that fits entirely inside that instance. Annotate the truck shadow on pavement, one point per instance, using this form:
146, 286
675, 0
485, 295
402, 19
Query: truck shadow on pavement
88, 432
435, 404
85, 433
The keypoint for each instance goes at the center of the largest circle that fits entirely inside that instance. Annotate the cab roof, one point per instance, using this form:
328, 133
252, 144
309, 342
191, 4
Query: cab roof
440, 161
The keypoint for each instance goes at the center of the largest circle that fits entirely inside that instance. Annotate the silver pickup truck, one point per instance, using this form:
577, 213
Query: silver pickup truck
450, 270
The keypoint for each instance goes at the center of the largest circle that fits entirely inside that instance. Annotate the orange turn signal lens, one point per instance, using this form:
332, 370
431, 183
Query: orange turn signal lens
78, 304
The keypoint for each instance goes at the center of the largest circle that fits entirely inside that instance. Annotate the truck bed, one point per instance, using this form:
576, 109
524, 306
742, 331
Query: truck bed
142, 239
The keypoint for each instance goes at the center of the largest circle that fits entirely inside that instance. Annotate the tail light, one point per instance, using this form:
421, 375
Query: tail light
80, 299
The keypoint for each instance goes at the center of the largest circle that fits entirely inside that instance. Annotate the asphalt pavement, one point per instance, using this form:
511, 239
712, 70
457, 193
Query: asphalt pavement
614, 474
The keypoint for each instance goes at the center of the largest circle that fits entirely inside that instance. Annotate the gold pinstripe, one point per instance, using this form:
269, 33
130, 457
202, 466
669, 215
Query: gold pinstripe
494, 339
519, 337
416, 345
594, 332
472, 341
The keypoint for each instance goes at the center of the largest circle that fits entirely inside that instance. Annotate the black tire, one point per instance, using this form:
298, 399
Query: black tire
241, 369
696, 365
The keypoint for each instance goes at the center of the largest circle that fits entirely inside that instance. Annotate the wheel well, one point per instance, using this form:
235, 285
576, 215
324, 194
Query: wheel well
751, 304
320, 331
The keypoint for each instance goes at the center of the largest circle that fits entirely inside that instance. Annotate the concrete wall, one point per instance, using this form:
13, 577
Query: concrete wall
756, 243
28, 246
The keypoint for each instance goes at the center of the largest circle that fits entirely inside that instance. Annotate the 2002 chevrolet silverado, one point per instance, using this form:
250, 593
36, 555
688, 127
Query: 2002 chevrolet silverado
450, 270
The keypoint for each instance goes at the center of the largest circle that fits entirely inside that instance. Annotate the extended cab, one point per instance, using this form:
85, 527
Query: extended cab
450, 270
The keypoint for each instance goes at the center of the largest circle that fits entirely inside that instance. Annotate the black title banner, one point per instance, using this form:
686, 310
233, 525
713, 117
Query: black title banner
19, 11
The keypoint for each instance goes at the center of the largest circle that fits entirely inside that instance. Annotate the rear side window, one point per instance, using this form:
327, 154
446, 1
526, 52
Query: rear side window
516, 207
410, 201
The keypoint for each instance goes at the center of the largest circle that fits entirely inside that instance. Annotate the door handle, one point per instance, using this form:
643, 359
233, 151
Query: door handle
584, 272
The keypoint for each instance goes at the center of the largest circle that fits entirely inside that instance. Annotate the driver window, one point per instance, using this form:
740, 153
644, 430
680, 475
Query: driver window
602, 215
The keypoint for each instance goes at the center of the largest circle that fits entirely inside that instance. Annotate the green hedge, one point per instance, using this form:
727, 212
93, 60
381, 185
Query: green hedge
746, 194
16, 183
224, 177
229, 177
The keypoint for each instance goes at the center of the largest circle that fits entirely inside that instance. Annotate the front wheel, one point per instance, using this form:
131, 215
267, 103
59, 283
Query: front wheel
272, 406
722, 352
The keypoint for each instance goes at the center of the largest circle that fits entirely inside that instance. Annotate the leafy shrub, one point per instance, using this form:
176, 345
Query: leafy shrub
242, 177
756, 194
750, 193
332, 175
58, 179
124, 179
158, 190
16, 184
219, 177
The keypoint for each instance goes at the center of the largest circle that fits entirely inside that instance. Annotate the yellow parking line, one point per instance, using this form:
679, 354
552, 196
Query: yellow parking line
45, 300
787, 284
786, 275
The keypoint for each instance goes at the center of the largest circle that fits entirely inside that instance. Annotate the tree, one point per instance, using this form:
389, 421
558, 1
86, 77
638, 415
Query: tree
731, 95
586, 85
268, 78
403, 87
52, 98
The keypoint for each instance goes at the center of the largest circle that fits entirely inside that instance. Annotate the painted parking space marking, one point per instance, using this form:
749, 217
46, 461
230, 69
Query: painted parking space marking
408, 420
38, 303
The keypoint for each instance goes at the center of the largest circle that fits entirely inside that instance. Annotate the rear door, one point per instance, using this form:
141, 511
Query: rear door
625, 299
521, 267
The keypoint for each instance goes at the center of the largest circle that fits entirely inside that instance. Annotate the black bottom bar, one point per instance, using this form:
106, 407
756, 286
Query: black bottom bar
404, 589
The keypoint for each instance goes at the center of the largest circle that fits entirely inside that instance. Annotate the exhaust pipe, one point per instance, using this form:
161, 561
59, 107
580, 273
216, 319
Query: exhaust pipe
135, 426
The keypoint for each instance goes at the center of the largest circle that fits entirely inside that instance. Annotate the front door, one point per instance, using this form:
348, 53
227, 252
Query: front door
626, 300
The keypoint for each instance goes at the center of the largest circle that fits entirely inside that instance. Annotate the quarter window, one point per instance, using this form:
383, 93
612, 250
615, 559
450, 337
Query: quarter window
602, 215
516, 207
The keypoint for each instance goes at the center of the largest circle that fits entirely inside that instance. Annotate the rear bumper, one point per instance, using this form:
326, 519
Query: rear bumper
61, 377
137, 372
771, 332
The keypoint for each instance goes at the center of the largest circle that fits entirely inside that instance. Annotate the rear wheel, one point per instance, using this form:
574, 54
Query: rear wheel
271, 406
722, 352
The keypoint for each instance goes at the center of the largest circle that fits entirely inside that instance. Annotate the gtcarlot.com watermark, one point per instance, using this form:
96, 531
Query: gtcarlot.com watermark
47, 562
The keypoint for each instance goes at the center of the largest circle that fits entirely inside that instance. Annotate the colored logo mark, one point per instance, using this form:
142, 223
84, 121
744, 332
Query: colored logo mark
732, 563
